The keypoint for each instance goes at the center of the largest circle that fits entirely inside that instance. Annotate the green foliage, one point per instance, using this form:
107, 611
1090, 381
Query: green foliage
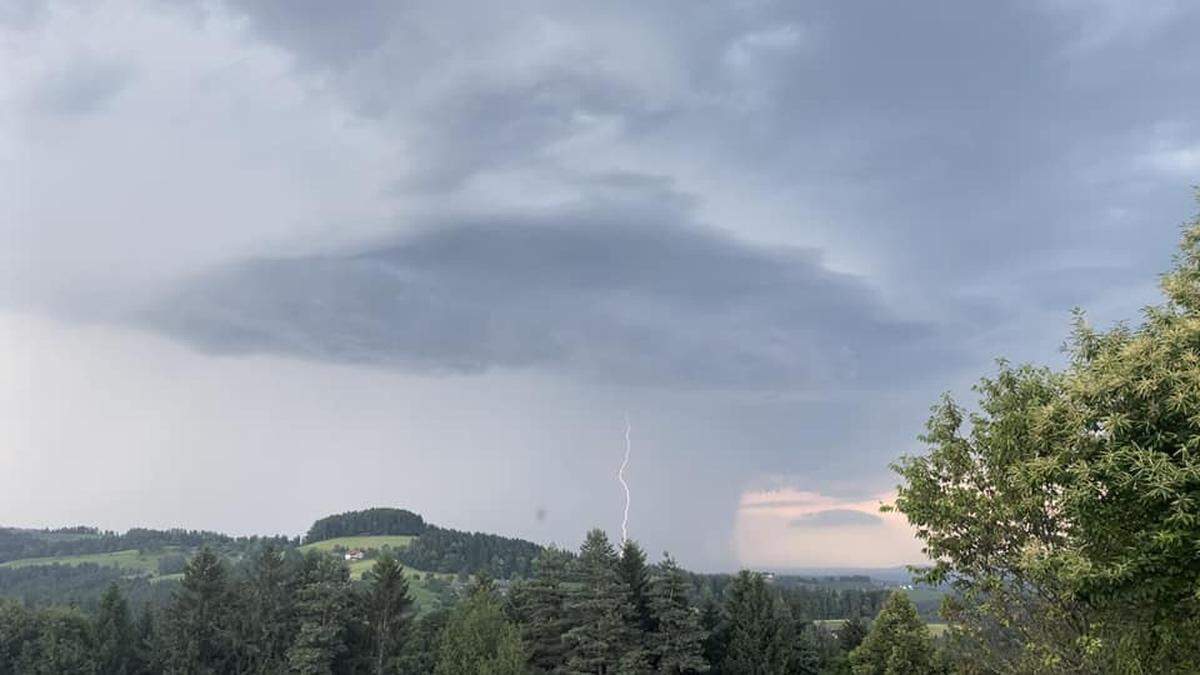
601, 637
540, 606
632, 568
197, 626
387, 603
758, 632
116, 639
480, 640
325, 607
1066, 511
377, 521
677, 642
897, 644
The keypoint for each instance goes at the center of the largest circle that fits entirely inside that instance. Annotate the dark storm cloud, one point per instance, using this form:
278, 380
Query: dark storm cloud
616, 293
836, 518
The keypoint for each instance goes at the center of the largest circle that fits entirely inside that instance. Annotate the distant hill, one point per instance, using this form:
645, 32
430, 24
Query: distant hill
73, 565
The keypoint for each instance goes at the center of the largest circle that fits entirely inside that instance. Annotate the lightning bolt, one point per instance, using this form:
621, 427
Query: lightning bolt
621, 477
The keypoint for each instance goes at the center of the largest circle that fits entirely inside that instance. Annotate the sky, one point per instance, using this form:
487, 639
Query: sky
265, 261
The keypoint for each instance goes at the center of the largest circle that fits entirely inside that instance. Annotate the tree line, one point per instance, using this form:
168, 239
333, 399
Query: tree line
601, 610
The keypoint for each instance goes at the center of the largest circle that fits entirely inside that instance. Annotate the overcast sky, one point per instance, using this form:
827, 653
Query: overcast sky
264, 261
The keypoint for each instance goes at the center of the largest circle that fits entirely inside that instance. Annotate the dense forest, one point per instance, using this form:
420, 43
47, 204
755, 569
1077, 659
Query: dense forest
601, 610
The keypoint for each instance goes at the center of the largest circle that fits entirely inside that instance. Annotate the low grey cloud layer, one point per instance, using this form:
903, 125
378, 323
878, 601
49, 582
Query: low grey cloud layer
778, 230
636, 296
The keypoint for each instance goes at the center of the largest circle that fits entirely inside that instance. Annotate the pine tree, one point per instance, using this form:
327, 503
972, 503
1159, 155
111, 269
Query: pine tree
115, 637
387, 603
600, 639
480, 640
898, 642
540, 607
677, 643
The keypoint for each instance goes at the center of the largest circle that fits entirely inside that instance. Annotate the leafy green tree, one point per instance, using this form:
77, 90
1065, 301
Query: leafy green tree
116, 637
196, 626
897, 644
387, 603
62, 642
325, 605
1065, 510
480, 640
677, 643
601, 639
758, 629
540, 607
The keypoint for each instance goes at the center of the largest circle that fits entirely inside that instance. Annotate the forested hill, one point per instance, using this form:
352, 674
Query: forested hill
433, 548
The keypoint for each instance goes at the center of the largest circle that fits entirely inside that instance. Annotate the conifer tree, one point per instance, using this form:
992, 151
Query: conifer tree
759, 632
897, 643
196, 630
677, 643
116, 639
601, 638
634, 573
540, 607
267, 622
324, 605
387, 603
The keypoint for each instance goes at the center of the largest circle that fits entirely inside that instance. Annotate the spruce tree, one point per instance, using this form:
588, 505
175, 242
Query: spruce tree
634, 573
759, 630
540, 607
324, 605
116, 639
677, 643
196, 630
387, 603
266, 624
601, 640
898, 642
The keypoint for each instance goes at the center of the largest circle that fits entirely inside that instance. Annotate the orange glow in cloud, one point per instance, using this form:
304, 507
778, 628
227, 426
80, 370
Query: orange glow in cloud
794, 528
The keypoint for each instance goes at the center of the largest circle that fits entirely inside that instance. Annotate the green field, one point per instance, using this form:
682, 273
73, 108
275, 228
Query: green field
366, 543
130, 559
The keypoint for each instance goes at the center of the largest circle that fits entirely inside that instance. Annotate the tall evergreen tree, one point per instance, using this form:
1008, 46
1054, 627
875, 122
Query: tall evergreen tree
387, 603
268, 622
898, 642
540, 608
195, 635
324, 605
677, 643
636, 577
600, 640
480, 640
116, 639
759, 632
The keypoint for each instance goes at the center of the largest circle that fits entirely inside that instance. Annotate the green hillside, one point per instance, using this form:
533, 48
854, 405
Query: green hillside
362, 542
130, 559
